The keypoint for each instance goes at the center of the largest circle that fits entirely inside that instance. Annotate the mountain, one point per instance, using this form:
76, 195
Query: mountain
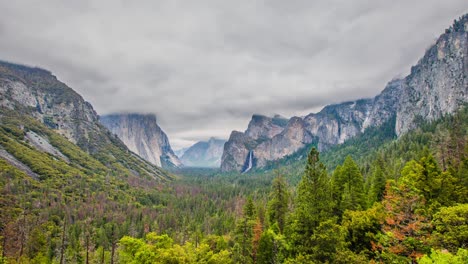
437, 85
333, 125
260, 129
180, 152
142, 135
204, 154
41, 110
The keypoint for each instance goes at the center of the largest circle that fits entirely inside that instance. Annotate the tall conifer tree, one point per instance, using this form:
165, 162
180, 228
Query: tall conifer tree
313, 204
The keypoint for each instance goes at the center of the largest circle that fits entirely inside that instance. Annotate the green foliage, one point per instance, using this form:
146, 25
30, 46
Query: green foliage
362, 228
161, 249
327, 240
244, 234
278, 204
436, 186
443, 257
94, 208
273, 247
348, 187
451, 227
377, 182
312, 205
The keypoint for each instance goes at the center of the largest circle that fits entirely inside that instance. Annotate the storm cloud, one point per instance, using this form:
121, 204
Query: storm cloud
204, 67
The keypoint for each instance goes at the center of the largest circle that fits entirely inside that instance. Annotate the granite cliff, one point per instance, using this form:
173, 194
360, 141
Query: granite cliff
34, 92
142, 135
437, 85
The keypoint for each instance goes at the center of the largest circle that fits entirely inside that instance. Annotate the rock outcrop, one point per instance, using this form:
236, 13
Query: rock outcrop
35, 92
437, 85
51, 102
204, 154
260, 129
142, 135
334, 124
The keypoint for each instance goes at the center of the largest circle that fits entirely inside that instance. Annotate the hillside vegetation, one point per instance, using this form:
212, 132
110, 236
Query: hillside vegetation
379, 199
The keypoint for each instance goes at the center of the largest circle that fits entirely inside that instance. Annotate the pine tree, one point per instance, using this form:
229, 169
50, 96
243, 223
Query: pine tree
313, 204
278, 204
437, 187
272, 246
348, 187
377, 182
244, 233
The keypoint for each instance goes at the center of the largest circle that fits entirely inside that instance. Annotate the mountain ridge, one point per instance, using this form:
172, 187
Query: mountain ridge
437, 85
37, 93
204, 154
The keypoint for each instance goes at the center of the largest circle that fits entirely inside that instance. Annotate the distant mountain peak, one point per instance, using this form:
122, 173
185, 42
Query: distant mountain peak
204, 153
142, 135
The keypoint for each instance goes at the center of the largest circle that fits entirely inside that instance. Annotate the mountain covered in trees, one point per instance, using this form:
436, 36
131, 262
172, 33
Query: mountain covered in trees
142, 135
437, 85
204, 154
72, 192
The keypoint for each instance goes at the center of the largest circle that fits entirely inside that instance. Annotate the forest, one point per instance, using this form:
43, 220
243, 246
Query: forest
374, 199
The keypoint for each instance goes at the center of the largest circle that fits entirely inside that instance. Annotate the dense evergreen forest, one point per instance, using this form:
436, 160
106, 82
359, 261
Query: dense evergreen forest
373, 199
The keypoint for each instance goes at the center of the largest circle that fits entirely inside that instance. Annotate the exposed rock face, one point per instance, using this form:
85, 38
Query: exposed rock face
142, 135
204, 154
38, 93
51, 101
293, 137
333, 125
42, 144
337, 123
260, 129
437, 85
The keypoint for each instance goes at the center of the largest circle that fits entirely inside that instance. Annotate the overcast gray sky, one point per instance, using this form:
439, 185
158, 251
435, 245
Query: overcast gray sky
204, 67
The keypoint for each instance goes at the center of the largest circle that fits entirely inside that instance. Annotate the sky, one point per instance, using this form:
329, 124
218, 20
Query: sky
204, 67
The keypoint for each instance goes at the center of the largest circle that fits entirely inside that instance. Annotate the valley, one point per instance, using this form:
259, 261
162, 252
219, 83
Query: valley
378, 180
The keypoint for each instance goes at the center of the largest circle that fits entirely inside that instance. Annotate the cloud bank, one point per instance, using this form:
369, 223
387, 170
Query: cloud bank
204, 67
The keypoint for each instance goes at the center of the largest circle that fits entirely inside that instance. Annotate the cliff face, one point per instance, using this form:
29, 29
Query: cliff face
436, 86
204, 154
236, 150
142, 135
261, 129
37, 93
50, 101
334, 124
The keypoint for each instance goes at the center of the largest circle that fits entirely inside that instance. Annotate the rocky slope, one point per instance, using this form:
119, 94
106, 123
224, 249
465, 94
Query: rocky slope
260, 129
436, 86
204, 154
34, 92
142, 135
333, 125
